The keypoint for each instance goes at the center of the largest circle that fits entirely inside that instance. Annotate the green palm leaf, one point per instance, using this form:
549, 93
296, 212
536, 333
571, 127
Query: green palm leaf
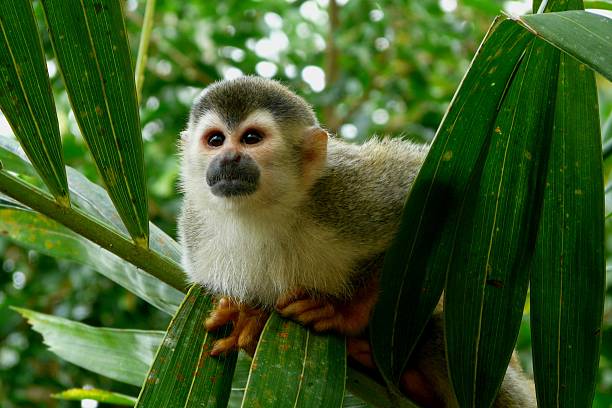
568, 274
294, 367
90, 43
123, 355
583, 35
183, 373
25, 95
417, 263
489, 272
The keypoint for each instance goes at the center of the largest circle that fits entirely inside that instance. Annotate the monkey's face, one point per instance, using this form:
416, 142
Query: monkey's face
248, 163
233, 173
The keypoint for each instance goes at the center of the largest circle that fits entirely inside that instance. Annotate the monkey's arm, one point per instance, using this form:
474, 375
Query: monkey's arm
349, 317
323, 313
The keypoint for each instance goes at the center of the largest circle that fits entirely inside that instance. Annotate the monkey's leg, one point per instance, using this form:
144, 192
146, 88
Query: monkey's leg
349, 317
413, 383
248, 323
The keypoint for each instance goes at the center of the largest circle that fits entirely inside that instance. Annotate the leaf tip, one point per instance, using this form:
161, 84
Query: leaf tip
25, 313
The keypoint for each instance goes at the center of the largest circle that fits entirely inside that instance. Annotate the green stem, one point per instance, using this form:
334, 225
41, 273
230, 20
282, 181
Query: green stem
542, 7
602, 5
143, 47
153, 263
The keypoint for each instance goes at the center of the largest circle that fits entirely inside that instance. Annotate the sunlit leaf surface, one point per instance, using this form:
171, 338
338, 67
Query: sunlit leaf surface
583, 35
25, 94
91, 47
184, 374
123, 355
107, 397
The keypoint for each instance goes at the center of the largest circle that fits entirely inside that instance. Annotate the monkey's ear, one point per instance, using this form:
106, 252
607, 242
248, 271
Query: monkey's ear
314, 153
315, 144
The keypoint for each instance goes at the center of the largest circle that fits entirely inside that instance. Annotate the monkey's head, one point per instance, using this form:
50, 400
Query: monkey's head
251, 141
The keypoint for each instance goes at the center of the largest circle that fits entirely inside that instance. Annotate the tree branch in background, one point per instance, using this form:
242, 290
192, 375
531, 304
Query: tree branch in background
143, 48
331, 63
189, 68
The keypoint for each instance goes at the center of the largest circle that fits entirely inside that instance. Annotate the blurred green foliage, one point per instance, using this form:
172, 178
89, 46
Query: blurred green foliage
389, 67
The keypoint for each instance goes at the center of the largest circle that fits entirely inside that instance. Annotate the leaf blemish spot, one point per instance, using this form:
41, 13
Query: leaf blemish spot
152, 378
495, 283
448, 155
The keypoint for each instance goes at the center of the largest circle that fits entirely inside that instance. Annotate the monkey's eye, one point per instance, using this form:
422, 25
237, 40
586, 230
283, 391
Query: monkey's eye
215, 140
251, 137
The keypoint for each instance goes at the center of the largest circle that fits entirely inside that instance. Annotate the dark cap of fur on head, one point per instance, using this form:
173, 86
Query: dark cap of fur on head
235, 99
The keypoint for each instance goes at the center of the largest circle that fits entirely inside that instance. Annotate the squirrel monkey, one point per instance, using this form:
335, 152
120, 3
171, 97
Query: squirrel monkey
277, 214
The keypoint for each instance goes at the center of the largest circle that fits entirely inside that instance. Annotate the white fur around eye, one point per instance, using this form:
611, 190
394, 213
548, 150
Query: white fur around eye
207, 122
260, 119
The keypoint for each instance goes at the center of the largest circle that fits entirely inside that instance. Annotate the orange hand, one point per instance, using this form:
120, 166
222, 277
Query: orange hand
248, 324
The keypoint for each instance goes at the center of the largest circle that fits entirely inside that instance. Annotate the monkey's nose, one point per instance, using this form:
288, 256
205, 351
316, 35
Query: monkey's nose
231, 157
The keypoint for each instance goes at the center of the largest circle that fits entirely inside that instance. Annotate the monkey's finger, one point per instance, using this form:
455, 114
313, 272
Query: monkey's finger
312, 316
250, 334
225, 303
360, 351
224, 346
299, 307
291, 297
220, 317
350, 326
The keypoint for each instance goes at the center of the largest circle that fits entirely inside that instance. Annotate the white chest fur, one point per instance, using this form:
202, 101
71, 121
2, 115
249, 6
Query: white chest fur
260, 260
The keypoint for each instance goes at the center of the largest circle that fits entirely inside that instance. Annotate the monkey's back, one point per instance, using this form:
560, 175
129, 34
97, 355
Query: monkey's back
363, 188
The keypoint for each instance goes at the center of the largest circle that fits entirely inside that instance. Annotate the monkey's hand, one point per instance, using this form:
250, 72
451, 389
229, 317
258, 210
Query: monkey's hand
248, 324
349, 317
